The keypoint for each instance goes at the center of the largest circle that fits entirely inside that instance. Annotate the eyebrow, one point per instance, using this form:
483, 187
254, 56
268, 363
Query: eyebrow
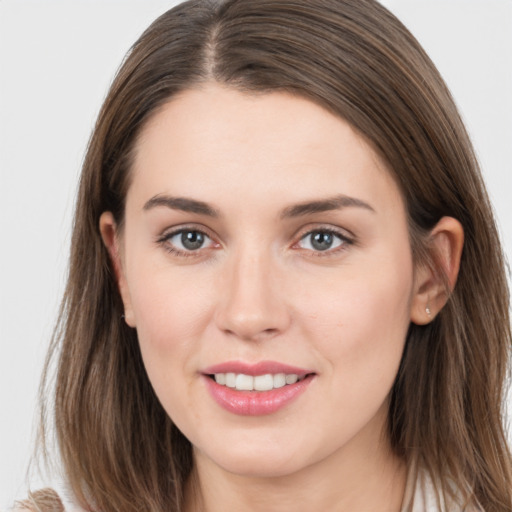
310, 207
324, 205
181, 203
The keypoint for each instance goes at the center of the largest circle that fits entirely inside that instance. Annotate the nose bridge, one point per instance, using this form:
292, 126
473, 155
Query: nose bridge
251, 306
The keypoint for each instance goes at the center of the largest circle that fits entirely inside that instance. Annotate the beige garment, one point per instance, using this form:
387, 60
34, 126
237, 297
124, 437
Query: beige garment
51, 499
420, 496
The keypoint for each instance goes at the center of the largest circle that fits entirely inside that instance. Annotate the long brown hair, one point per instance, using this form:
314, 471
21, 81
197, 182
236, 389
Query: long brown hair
119, 449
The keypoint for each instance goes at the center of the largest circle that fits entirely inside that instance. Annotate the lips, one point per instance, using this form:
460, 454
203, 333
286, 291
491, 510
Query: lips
257, 389
260, 368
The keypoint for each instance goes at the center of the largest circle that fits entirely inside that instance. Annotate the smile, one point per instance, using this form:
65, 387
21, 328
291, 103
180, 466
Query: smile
267, 382
256, 389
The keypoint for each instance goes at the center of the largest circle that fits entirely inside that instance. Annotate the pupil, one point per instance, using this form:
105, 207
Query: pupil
321, 241
192, 240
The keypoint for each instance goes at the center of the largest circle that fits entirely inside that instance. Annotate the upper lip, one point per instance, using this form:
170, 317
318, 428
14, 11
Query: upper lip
260, 368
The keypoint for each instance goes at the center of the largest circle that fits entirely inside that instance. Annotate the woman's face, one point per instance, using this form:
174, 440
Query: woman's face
264, 238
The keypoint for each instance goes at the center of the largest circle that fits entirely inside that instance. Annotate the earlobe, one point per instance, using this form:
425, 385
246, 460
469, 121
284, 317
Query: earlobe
110, 236
433, 284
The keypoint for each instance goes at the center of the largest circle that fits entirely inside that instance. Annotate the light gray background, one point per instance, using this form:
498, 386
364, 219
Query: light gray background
57, 59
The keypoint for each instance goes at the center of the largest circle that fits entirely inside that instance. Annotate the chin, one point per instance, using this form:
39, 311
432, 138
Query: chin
254, 462
258, 468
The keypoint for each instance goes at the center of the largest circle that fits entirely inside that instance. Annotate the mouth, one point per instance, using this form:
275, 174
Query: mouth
265, 382
256, 389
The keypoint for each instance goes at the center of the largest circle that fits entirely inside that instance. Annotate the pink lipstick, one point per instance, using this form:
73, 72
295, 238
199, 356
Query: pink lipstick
255, 389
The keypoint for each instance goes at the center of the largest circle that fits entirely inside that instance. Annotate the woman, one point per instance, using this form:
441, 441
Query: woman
228, 341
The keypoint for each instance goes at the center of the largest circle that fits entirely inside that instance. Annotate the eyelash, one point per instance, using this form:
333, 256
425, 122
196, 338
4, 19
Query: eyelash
166, 237
345, 241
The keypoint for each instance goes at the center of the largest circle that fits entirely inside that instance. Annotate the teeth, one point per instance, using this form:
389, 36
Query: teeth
266, 382
291, 379
279, 380
230, 380
244, 382
220, 378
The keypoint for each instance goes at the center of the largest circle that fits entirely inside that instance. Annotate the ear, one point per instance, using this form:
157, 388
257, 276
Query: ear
111, 239
432, 285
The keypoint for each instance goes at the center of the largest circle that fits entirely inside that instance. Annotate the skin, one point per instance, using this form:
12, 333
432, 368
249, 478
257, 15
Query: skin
259, 290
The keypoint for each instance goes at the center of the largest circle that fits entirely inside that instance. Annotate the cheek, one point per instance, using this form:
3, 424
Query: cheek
171, 310
169, 315
360, 323
170, 307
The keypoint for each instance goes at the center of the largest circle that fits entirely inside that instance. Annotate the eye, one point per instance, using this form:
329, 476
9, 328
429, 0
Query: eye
186, 241
322, 240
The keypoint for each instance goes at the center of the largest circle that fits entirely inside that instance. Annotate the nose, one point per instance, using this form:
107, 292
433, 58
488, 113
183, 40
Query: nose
252, 305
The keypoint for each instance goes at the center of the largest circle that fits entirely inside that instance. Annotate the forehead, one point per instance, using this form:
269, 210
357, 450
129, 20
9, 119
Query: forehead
214, 139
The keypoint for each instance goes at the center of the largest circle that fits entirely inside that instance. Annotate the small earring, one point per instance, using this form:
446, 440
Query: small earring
427, 310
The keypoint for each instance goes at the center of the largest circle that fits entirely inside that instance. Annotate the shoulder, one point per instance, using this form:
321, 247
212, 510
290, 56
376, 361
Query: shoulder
43, 500
427, 497
423, 494
57, 498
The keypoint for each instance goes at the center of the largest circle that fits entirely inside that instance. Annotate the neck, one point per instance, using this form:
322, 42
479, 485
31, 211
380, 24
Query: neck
360, 476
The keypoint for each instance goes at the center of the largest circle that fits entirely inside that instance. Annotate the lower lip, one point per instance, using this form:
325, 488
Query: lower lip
256, 403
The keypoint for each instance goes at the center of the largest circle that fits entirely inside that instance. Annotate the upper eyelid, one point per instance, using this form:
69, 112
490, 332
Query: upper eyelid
344, 239
341, 232
171, 231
